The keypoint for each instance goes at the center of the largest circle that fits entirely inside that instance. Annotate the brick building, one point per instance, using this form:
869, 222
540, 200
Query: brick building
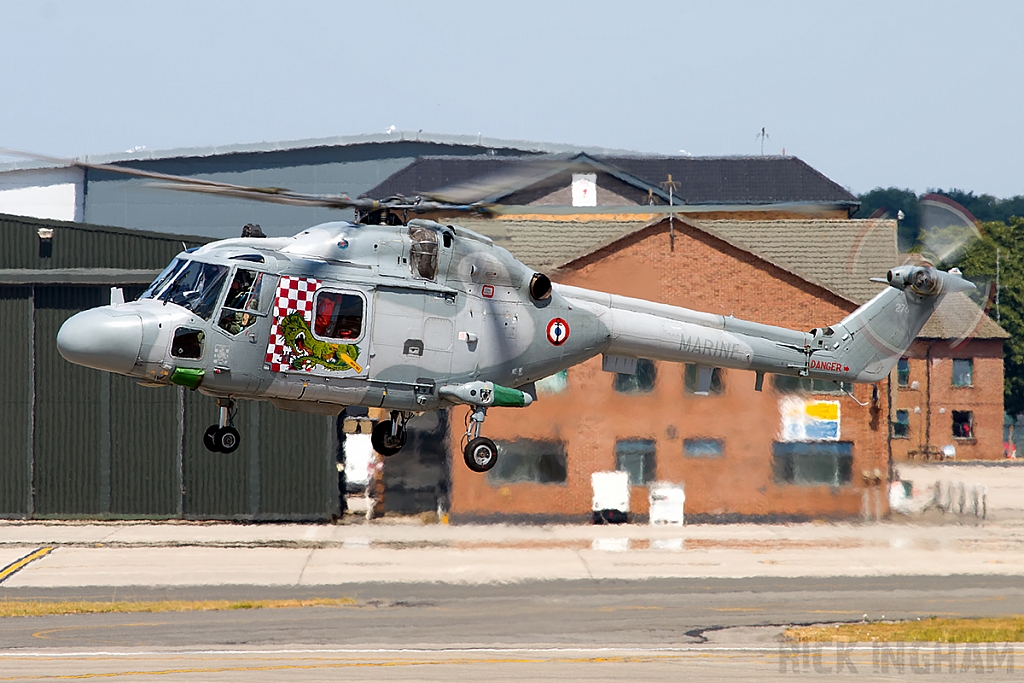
948, 390
728, 449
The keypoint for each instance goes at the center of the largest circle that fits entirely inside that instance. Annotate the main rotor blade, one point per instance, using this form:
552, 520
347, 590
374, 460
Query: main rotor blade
272, 195
128, 170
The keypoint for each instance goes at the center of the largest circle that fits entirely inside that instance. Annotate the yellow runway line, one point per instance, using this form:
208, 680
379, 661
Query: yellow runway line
17, 565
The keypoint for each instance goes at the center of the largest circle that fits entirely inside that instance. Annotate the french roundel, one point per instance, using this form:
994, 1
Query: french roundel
558, 331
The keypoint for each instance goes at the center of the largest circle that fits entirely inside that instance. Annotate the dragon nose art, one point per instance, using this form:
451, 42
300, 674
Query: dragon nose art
101, 339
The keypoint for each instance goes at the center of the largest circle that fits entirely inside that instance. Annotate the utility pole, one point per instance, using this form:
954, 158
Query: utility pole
671, 185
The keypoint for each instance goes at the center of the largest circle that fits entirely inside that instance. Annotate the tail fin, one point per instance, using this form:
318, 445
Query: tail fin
876, 335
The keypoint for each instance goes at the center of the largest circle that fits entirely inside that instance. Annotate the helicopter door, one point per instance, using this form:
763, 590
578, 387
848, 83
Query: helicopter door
413, 333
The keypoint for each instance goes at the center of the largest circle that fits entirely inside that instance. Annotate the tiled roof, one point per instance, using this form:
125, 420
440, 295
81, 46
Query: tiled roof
838, 255
842, 255
700, 180
543, 245
957, 317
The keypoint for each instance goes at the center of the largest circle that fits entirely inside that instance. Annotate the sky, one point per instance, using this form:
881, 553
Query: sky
917, 95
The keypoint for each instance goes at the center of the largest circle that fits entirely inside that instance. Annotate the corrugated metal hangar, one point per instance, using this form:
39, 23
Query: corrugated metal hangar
81, 443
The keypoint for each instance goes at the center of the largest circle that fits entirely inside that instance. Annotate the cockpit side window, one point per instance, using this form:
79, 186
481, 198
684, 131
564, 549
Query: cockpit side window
248, 297
423, 252
196, 287
338, 316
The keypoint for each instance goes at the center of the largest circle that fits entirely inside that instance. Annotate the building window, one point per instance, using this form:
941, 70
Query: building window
903, 372
691, 373
963, 372
529, 460
963, 424
787, 384
640, 383
553, 384
703, 448
812, 463
636, 458
901, 427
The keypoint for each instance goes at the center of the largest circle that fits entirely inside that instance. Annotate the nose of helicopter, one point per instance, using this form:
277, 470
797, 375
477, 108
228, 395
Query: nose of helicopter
102, 338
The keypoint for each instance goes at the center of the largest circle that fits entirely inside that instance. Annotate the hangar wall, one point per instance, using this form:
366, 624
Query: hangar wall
76, 442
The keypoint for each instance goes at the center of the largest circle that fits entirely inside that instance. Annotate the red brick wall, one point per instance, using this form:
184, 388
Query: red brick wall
930, 413
705, 274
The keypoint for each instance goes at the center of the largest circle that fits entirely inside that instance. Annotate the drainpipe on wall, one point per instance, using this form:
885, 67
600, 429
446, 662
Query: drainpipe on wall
928, 400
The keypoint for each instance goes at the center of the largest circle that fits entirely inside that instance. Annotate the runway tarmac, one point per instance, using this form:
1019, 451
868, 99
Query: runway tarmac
494, 603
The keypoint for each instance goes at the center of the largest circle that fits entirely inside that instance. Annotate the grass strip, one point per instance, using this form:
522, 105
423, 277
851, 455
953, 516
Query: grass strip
38, 608
933, 629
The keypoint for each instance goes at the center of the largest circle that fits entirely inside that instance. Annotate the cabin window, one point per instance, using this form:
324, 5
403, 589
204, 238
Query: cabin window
187, 343
338, 316
963, 424
196, 286
691, 373
248, 296
641, 382
963, 372
703, 448
636, 458
901, 427
903, 372
423, 251
530, 460
827, 463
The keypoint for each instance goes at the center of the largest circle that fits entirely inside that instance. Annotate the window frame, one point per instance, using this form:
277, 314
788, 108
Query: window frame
903, 373
716, 388
647, 466
901, 423
703, 440
970, 375
362, 322
841, 388
559, 452
787, 465
638, 391
970, 422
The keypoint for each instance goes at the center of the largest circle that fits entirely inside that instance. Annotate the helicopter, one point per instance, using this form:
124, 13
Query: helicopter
413, 315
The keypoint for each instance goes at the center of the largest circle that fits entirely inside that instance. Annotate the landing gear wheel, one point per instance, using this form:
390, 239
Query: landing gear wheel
481, 454
227, 439
210, 438
382, 440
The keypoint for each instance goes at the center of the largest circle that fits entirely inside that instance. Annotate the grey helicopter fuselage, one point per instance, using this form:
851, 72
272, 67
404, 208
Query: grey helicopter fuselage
432, 306
416, 317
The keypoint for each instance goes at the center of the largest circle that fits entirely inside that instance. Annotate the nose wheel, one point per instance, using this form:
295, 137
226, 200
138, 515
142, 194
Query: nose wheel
223, 437
480, 454
388, 437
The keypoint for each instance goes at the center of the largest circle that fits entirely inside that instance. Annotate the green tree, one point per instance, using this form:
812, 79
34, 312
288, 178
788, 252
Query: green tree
887, 203
980, 261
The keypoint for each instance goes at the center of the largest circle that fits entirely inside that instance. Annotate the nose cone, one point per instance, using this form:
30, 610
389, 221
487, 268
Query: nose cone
102, 338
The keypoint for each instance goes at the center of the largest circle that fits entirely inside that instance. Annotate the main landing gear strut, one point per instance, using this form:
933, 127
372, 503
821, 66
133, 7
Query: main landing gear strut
480, 454
223, 437
388, 437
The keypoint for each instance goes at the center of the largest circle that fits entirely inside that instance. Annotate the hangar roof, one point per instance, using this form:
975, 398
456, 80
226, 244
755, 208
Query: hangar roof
736, 180
526, 146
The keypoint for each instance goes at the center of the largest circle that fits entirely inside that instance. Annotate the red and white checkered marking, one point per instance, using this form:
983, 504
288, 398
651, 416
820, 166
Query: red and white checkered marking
294, 295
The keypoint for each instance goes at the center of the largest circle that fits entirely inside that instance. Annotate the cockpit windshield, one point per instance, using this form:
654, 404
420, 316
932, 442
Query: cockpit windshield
195, 286
162, 279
